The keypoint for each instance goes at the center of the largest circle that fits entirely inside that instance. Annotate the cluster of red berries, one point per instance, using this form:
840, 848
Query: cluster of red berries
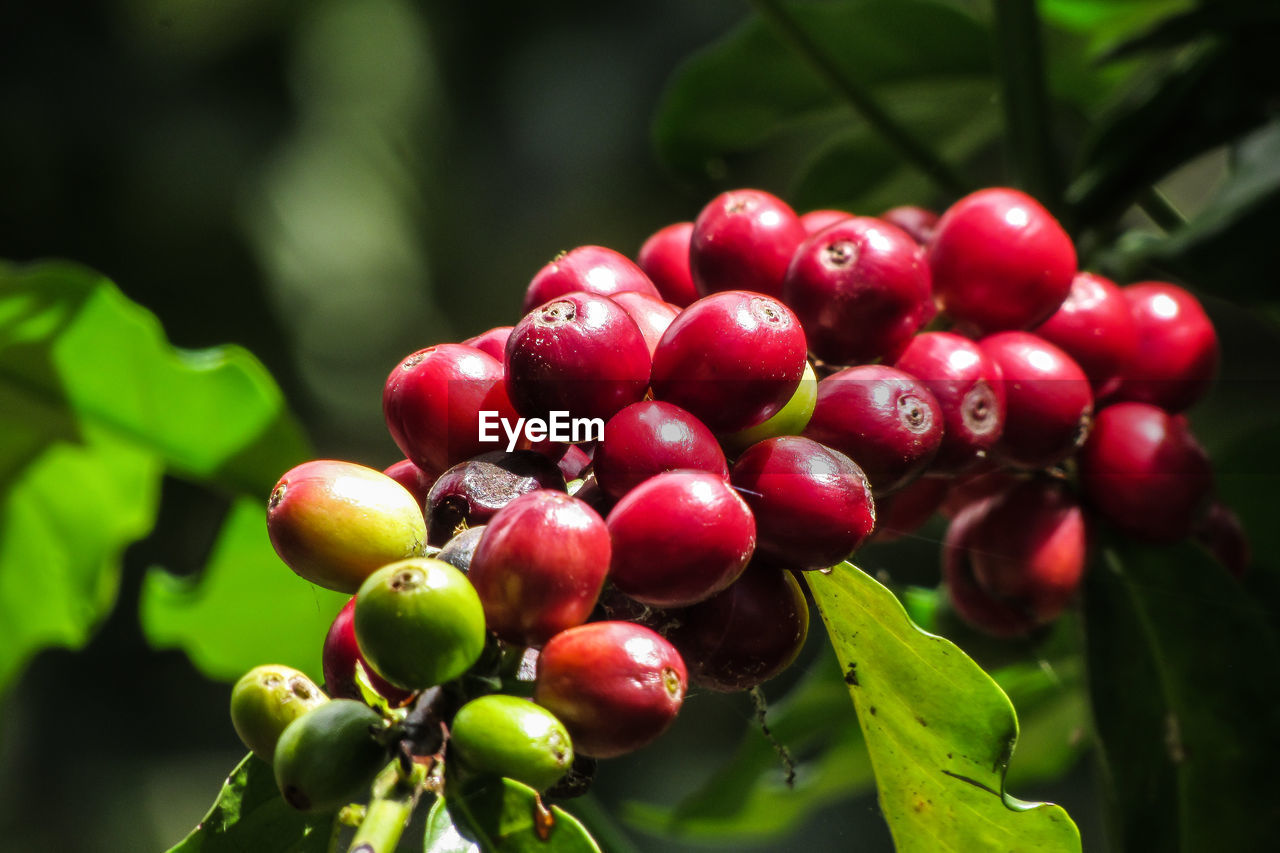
685, 433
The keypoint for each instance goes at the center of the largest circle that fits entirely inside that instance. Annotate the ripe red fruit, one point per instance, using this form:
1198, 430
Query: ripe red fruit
414, 479
916, 221
1144, 471
1030, 547
1177, 351
652, 315
744, 240
615, 685
589, 269
966, 383
816, 220
665, 259
650, 437
432, 402
574, 463
732, 359
860, 288
1000, 261
539, 566
906, 510
469, 493
679, 538
974, 605
1094, 326
744, 635
581, 354
812, 504
885, 420
494, 341
1047, 400
985, 481
339, 658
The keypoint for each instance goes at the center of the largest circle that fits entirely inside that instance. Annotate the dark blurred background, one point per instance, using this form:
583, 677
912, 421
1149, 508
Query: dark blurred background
331, 184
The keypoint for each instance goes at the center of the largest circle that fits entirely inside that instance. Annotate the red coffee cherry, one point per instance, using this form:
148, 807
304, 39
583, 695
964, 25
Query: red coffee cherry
574, 464
966, 383
1177, 351
1000, 261
432, 402
588, 269
1094, 326
494, 341
987, 480
916, 221
905, 511
885, 420
1144, 472
469, 493
974, 605
1030, 547
860, 288
812, 504
414, 479
744, 240
539, 566
816, 220
616, 686
665, 259
650, 437
581, 354
745, 635
732, 359
1047, 400
679, 538
339, 658
652, 315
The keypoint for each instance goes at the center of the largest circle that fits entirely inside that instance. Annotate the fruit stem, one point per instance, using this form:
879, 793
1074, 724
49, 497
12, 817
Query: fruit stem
862, 101
1028, 132
388, 813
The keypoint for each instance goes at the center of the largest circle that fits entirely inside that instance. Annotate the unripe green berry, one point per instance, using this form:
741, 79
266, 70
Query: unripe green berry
266, 700
328, 757
512, 737
790, 420
335, 522
419, 623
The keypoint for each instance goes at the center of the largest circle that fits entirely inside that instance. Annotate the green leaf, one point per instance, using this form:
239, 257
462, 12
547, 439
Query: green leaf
95, 406
250, 816
748, 798
939, 731
751, 87
501, 816
1185, 672
244, 609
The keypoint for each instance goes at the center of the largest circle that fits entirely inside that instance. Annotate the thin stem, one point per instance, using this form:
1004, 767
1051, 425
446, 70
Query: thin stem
395, 794
1162, 211
1020, 61
862, 101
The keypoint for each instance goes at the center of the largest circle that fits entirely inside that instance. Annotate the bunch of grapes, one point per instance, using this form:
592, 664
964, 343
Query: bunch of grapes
617, 497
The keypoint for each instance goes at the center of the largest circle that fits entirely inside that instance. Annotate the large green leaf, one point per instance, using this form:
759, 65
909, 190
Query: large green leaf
246, 608
751, 87
1185, 672
94, 406
250, 816
939, 731
492, 815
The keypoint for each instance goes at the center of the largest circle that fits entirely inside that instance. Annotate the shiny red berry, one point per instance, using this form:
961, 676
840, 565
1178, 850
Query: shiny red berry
651, 314
590, 269
977, 607
1000, 261
885, 420
1048, 402
414, 479
665, 259
860, 288
1144, 472
1094, 326
816, 220
733, 359
902, 513
919, 222
493, 341
1177, 352
651, 437
744, 240
812, 504
469, 493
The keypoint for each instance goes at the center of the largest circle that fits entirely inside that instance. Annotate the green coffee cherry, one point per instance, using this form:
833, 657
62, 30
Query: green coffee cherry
266, 700
335, 522
328, 757
419, 623
512, 737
